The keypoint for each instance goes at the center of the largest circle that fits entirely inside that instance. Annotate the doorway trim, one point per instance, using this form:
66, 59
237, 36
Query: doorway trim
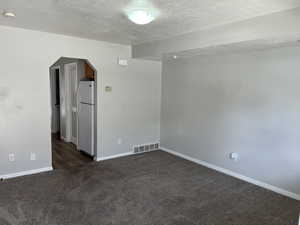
52, 73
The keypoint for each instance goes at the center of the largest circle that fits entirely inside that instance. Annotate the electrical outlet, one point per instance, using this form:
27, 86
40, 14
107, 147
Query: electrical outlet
120, 141
234, 156
32, 156
11, 157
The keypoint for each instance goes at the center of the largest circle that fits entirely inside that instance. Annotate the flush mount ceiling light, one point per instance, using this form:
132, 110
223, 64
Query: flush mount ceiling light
141, 12
9, 14
141, 17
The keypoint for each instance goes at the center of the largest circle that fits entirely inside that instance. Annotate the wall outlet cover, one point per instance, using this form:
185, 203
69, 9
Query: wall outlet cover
120, 141
234, 156
11, 157
32, 156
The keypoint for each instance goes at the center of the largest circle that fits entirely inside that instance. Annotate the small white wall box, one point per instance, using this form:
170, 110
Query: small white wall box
32, 156
11, 157
108, 88
234, 156
122, 62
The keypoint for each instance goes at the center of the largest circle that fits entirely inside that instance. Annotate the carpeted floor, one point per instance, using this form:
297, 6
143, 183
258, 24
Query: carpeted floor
153, 188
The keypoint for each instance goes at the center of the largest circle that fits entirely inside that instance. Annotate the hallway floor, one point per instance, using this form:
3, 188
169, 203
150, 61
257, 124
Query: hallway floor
66, 156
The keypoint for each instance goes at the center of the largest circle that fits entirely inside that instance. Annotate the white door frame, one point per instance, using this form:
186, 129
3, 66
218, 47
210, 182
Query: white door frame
69, 108
52, 85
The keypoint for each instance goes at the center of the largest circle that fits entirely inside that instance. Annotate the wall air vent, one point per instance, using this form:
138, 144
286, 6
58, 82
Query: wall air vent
145, 148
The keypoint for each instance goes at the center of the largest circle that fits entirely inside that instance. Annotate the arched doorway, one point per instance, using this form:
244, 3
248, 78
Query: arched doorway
73, 112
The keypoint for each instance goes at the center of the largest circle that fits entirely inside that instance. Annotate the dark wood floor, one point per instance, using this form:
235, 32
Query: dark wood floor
65, 155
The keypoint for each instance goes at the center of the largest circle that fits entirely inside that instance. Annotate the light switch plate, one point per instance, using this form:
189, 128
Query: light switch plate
108, 88
123, 62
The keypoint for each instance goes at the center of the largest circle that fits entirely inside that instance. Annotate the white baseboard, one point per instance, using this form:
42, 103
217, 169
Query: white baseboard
115, 156
24, 173
236, 175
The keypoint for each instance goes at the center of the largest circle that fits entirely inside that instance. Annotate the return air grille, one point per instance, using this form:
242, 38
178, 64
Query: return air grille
145, 148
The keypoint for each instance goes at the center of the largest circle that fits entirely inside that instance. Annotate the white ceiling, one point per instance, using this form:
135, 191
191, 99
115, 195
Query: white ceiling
105, 20
238, 47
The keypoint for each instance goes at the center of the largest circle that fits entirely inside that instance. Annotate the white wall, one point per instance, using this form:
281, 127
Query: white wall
246, 103
131, 111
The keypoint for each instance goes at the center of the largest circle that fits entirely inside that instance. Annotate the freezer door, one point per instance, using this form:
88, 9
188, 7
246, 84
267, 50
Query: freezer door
86, 92
86, 128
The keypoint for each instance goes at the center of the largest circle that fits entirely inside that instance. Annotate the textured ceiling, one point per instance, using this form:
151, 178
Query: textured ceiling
239, 47
105, 20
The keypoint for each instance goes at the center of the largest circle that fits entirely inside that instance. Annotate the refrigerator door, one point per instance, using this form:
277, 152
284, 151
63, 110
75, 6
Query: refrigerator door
86, 92
86, 128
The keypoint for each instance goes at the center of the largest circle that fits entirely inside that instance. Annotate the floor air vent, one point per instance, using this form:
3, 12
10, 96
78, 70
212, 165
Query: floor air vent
145, 148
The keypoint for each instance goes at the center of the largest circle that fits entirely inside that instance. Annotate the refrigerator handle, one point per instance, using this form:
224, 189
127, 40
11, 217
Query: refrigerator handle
78, 99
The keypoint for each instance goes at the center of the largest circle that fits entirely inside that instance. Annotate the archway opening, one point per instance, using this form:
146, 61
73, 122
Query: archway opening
73, 112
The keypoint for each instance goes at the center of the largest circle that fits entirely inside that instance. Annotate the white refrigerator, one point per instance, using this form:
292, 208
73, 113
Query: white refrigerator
86, 105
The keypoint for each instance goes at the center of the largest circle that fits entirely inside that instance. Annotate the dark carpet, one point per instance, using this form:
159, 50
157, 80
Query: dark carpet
149, 189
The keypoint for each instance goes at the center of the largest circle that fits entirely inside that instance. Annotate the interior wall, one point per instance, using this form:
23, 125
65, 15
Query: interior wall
131, 112
246, 103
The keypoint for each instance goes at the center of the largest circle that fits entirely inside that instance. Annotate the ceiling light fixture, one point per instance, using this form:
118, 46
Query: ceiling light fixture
9, 14
141, 16
141, 12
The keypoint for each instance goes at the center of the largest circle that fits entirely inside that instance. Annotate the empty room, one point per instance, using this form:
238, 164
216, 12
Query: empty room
149, 112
